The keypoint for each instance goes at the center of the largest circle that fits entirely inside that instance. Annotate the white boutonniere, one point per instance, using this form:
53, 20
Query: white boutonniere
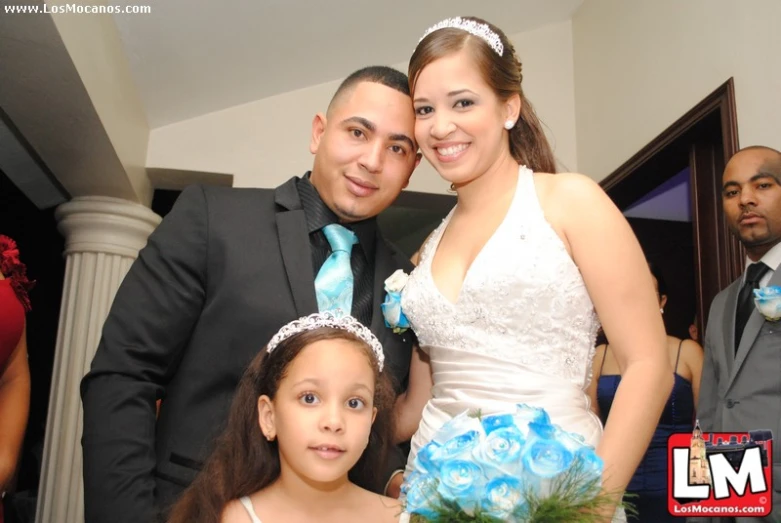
768, 302
391, 307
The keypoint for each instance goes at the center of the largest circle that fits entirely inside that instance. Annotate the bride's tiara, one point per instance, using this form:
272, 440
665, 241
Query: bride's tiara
331, 320
470, 26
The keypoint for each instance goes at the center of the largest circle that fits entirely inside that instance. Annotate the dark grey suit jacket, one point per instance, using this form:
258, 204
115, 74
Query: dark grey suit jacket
742, 392
219, 276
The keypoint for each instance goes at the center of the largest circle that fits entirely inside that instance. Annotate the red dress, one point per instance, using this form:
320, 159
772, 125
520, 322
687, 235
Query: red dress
13, 303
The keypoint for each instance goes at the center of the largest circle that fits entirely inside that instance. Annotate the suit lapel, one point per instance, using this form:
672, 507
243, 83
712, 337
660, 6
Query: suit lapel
384, 265
728, 324
750, 333
295, 248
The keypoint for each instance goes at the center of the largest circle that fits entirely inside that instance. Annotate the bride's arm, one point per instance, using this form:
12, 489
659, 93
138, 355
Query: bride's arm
596, 371
620, 284
409, 405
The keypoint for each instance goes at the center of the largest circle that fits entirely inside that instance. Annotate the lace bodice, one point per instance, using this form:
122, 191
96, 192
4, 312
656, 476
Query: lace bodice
523, 299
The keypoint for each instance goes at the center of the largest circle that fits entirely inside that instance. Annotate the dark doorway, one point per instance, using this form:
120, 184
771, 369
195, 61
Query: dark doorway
701, 141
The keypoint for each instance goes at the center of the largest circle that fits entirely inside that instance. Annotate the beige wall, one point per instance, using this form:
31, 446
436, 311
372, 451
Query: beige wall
640, 65
549, 83
265, 142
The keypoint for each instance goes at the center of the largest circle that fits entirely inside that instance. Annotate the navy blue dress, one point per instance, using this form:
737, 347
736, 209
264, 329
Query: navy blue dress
648, 487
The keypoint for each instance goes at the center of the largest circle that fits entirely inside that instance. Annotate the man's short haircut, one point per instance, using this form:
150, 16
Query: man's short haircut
378, 74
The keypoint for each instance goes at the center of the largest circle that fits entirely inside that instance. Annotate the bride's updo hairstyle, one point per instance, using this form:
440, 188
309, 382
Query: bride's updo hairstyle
500, 71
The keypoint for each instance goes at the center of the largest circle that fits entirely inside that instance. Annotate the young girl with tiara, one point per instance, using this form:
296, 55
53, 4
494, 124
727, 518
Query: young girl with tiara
309, 428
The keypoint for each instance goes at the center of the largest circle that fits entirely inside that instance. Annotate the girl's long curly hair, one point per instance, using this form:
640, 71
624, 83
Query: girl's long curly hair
244, 462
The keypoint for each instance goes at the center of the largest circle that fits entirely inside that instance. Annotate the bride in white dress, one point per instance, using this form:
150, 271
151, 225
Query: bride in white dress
505, 296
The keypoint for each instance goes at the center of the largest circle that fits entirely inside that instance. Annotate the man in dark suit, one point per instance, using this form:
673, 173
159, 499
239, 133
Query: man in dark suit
219, 276
741, 377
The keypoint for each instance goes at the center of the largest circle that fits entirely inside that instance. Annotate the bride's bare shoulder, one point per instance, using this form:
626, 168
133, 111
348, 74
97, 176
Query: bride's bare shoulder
568, 190
566, 182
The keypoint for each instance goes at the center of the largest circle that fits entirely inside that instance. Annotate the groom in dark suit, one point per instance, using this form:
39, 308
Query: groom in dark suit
219, 276
741, 376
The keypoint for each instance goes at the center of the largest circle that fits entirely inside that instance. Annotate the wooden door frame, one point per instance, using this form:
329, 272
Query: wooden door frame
703, 139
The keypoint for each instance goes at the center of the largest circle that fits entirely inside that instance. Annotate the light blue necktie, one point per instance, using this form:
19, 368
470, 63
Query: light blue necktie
334, 282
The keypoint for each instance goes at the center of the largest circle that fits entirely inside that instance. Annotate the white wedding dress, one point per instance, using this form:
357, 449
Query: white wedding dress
522, 329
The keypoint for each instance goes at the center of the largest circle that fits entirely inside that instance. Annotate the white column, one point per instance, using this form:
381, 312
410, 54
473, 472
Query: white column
102, 238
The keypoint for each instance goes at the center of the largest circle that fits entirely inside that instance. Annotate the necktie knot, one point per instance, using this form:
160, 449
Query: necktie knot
755, 272
340, 238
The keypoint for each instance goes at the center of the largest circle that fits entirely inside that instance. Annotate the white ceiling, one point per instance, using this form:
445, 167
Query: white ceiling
192, 57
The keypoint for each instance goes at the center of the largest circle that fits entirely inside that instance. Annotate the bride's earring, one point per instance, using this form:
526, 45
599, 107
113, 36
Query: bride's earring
509, 124
661, 310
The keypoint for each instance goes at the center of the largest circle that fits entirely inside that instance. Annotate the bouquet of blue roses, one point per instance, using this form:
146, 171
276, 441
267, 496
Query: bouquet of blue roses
514, 466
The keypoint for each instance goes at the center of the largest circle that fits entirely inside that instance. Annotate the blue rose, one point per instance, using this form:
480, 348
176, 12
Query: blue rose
425, 459
499, 421
542, 429
420, 493
546, 458
458, 425
503, 497
525, 414
392, 313
767, 292
501, 450
461, 481
458, 446
571, 440
768, 302
590, 461
543, 461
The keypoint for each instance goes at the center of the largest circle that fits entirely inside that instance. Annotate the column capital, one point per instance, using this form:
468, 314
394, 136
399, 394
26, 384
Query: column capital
105, 224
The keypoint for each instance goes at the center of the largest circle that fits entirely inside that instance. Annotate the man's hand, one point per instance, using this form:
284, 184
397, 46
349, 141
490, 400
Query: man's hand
393, 489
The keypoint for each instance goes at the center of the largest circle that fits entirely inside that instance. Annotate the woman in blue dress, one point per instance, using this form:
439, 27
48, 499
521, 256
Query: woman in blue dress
648, 488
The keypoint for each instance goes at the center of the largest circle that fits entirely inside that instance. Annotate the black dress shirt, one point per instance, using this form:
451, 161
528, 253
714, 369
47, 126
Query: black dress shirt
318, 215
